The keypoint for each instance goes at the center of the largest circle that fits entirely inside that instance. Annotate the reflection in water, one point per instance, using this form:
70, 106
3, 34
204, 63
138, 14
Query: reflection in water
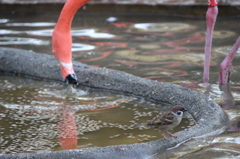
21, 41
6, 31
111, 19
48, 32
67, 130
31, 41
92, 34
37, 24
223, 34
222, 146
225, 50
82, 47
3, 20
161, 27
228, 99
232, 110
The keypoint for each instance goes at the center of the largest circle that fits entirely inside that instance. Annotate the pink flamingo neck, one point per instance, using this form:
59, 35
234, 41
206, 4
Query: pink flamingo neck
226, 65
70, 8
62, 38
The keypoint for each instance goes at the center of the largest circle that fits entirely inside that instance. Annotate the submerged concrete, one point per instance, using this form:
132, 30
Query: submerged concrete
42, 66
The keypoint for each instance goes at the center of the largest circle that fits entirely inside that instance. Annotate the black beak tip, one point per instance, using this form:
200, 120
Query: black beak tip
71, 79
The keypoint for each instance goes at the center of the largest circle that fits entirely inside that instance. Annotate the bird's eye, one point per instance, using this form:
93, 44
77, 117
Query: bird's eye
179, 112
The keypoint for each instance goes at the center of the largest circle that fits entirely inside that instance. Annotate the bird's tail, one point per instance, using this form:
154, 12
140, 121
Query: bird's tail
139, 125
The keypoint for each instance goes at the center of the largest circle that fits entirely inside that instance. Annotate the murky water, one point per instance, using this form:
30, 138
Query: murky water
36, 114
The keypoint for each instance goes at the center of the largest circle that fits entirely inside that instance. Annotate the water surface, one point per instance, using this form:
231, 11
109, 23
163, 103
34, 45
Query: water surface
36, 114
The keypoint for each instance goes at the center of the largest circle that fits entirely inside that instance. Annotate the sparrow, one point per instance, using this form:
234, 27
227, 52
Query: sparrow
167, 121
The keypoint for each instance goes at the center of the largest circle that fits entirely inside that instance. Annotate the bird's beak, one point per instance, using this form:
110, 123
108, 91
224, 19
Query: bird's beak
184, 110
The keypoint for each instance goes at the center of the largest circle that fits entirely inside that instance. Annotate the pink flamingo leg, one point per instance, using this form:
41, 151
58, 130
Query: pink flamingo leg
226, 65
62, 39
211, 19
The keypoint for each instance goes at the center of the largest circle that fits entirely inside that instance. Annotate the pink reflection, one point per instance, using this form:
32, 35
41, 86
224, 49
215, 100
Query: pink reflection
227, 97
162, 66
67, 130
169, 64
103, 55
229, 104
194, 38
122, 24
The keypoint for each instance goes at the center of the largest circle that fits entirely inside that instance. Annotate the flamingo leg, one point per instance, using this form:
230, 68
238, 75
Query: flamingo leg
62, 39
210, 19
226, 65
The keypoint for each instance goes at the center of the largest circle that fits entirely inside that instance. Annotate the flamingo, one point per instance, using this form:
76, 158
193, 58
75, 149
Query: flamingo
62, 42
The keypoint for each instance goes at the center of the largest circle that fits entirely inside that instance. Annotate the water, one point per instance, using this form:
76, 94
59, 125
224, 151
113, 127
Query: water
35, 114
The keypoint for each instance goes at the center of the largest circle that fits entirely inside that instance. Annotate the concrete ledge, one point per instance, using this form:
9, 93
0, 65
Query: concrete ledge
46, 67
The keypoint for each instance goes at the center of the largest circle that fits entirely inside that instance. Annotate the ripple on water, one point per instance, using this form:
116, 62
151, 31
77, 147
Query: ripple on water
82, 47
22, 41
161, 27
92, 33
35, 24
4, 20
225, 50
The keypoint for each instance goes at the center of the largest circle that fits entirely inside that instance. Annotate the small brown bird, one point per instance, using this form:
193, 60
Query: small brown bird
167, 121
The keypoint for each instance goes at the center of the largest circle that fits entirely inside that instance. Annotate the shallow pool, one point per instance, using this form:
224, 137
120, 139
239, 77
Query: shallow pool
36, 114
